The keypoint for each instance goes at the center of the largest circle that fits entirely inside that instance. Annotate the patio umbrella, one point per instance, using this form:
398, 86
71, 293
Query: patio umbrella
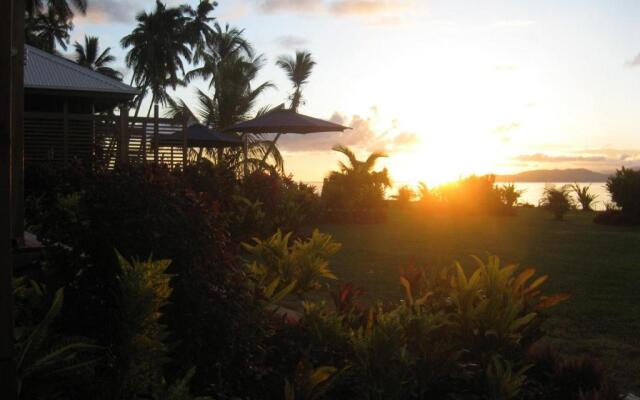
282, 121
199, 135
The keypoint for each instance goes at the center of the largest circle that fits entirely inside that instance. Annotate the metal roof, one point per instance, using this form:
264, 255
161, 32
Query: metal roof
51, 72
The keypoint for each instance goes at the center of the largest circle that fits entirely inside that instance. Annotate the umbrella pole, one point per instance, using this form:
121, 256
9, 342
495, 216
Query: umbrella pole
271, 146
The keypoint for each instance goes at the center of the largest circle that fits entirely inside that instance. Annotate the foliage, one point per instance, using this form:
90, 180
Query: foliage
356, 192
139, 345
298, 70
46, 362
89, 56
405, 196
277, 265
584, 196
624, 187
472, 195
509, 194
141, 211
309, 383
286, 204
557, 200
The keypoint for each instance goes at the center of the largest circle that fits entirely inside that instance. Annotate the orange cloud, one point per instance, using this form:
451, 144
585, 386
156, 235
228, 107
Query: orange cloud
368, 7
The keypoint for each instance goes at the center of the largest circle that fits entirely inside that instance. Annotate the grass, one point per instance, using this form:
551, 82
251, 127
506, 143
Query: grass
599, 265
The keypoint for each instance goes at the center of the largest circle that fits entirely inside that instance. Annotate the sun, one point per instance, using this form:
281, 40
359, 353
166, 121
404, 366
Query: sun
446, 160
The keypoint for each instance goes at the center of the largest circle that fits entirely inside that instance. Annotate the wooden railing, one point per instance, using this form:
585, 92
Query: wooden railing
59, 138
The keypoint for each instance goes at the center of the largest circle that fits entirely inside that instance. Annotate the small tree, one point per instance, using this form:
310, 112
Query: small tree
585, 197
509, 194
557, 200
624, 187
405, 196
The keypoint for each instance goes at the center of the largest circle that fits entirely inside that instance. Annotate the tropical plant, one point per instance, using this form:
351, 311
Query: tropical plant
356, 191
404, 196
222, 43
278, 263
140, 350
63, 8
584, 196
624, 187
509, 194
159, 47
298, 70
46, 362
89, 56
197, 28
557, 200
309, 383
504, 383
471, 195
48, 29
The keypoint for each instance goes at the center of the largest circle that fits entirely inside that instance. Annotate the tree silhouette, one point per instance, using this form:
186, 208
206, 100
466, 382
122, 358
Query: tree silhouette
89, 56
298, 70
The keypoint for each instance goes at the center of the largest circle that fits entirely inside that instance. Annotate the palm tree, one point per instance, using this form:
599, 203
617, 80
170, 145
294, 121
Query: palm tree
48, 22
47, 30
356, 166
197, 29
158, 47
298, 70
60, 7
222, 44
585, 197
89, 56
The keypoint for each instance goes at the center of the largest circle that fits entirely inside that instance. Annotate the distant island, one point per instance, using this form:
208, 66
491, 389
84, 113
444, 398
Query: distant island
555, 175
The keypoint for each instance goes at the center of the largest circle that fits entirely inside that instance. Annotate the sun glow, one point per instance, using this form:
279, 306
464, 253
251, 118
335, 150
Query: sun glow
447, 159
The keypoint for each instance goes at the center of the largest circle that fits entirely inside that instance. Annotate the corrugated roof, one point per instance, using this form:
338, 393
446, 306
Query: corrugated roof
51, 72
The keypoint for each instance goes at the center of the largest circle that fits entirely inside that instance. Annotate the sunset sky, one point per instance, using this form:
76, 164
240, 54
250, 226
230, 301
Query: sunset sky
447, 88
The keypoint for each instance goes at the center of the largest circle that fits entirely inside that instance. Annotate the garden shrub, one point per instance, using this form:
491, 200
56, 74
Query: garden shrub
624, 188
473, 195
356, 193
405, 196
285, 204
141, 211
557, 201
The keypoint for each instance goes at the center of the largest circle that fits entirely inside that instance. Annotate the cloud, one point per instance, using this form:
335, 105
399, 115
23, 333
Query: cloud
291, 42
387, 10
110, 11
545, 158
299, 6
361, 136
605, 160
635, 62
368, 7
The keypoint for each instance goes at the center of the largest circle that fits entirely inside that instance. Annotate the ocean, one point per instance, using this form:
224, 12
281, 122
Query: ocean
532, 191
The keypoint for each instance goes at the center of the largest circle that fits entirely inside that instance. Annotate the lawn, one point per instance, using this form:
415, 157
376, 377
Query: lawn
599, 265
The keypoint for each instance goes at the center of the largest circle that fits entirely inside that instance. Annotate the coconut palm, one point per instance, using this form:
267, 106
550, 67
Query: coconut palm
159, 47
63, 8
198, 29
356, 166
298, 69
585, 197
90, 56
222, 44
48, 30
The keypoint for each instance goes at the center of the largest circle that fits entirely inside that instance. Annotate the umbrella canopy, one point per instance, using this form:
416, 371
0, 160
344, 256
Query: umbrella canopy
199, 135
286, 121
